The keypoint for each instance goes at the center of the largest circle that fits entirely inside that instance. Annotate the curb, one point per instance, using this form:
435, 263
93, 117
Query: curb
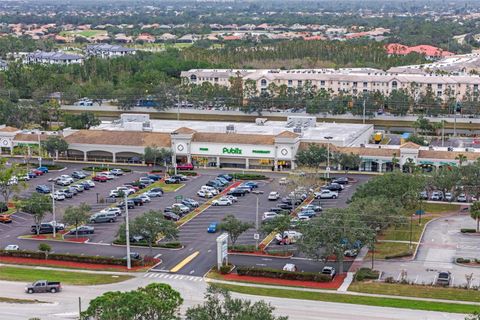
53, 240
259, 255
143, 247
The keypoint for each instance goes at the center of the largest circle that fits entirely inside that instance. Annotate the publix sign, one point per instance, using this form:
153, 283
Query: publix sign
232, 150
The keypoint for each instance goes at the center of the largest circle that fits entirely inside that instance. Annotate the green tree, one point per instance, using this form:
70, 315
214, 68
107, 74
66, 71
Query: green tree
220, 305
378, 213
347, 161
473, 316
332, 233
417, 140
471, 178
9, 183
398, 102
156, 155
475, 212
461, 159
151, 225
37, 205
234, 227
77, 215
55, 145
312, 157
279, 224
156, 301
45, 248
85, 120
445, 179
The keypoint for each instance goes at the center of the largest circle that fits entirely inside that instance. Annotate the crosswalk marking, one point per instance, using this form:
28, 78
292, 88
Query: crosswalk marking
153, 275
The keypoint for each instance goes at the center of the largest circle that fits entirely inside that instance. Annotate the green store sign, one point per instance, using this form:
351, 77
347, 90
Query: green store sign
232, 150
261, 151
203, 149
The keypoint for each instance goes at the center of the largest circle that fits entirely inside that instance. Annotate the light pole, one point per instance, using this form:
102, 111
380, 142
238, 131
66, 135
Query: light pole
53, 212
256, 193
328, 155
127, 232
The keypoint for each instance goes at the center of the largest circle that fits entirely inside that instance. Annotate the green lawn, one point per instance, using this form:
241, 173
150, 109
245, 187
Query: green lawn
440, 207
345, 298
66, 277
384, 249
84, 33
21, 301
416, 291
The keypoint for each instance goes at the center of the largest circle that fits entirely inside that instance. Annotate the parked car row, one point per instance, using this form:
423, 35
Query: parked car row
447, 196
179, 209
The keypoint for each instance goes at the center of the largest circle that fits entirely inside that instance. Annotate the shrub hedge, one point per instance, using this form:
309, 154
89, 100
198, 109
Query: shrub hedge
399, 255
168, 245
463, 260
185, 172
248, 176
48, 166
99, 169
280, 274
70, 257
366, 273
467, 230
242, 248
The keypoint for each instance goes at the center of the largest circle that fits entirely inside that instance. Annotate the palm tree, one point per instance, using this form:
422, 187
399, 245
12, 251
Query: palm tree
475, 212
461, 158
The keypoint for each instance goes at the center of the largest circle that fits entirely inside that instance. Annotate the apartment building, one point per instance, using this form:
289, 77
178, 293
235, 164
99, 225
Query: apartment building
349, 81
107, 50
52, 58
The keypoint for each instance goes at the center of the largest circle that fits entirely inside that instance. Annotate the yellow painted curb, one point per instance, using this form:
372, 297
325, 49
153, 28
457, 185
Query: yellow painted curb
185, 261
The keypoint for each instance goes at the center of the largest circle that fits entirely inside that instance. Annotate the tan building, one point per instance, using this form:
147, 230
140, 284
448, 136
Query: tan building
349, 81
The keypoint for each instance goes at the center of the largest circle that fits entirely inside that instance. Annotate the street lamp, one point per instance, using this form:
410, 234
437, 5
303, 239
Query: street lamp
328, 138
256, 193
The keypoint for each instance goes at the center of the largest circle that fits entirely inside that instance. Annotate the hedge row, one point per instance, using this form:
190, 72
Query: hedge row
463, 260
366, 273
70, 257
48, 166
100, 169
466, 230
242, 248
168, 245
185, 172
280, 274
248, 176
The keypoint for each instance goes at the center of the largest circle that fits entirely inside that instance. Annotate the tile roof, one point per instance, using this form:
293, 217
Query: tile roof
125, 138
430, 51
447, 155
184, 130
234, 138
409, 145
9, 129
287, 134
29, 137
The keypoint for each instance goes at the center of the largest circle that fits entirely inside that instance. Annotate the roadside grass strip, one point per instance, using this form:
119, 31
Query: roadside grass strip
353, 299
20, 301
66, 277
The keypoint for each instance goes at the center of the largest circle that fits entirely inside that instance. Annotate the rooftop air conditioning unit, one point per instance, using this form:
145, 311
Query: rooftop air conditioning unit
230, 128
297, 130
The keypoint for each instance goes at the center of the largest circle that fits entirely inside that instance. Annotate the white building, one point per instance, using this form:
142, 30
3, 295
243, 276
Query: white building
52, 58
108, 51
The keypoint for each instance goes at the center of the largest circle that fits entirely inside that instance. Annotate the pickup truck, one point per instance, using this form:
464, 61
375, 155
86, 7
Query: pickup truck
43, 286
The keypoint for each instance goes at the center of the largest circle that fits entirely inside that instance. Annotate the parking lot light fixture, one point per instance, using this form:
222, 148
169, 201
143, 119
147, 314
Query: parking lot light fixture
328, 138
256, 193
127, 232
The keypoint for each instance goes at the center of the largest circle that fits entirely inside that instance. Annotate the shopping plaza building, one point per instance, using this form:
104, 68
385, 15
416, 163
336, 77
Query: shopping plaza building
348, 81
263, 144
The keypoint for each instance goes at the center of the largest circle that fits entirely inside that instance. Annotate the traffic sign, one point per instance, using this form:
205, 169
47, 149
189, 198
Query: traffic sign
328, 168
256, 236
178, 198
419, 212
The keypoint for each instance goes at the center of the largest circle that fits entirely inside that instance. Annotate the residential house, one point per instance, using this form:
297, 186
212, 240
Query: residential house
108, 50
52, 58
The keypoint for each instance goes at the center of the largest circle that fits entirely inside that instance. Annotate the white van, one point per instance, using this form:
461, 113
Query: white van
269, 216
212, 190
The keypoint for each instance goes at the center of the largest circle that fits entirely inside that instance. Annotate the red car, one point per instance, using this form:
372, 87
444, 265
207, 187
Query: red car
185, 166
37, 172
100, 178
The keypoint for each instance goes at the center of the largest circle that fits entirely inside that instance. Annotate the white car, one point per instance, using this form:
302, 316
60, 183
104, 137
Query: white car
153, 194
60, 226
222, 202
24, 178
329, 271
128, 191
115, 210
183, 208
289, 237
12, 181
106, 174
273, 196
204, 194
462, 198
448, 196
117, 172
326, 194
57, 196
11, 247
145, 198
290, 267
66, 177
269, 216
212, 190
283, 181
90, 183
231, 198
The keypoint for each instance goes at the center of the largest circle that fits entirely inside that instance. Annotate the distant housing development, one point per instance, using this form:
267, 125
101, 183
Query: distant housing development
348, 81
52, 58
108, 50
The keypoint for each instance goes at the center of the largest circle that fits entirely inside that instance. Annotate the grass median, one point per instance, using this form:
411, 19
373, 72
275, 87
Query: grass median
417, 291
353, 299
66, 277
19, 301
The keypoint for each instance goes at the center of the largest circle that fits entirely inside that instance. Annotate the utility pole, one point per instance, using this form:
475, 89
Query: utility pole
328, 155
127, 233
363, 111
257, 193
178, 107
53, 212
443, 132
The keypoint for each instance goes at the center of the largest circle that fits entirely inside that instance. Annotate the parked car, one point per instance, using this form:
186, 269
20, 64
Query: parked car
204, 194
41, 286
146, 180
44, 228
436, 196
448, 196
231, 198
114, 210
334, 187
290, 267
462, 197
237, 192
171, 216
350, 253
117, 172
340, 180
180, 176
181, 207
134, 256
190, 203
82, 230
130, 204
101, 217
155, 192
58, 196
43, 189
72, 190
66, 177
283, 181
329, 271
100, 178
288, 237
444, 278
226, 177
326, 194
106, 174
307, 213
137, 201
285, 206
185, 166
279, 210
37, 172
269, 216
273, 196
154, 177
43, 169
212, 190
63, 183
90, 183
212, 228
79, 175
222, 202
78, 187
11, 247
172, 180
312, 207
5, 218
251, 184
423, 195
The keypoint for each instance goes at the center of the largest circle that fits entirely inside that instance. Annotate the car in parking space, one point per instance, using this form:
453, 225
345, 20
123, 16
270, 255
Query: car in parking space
279, 210
423, 195
145, 198
37, 172
63, 182
222, 180
155, 192
340, 180
78, 187
59, 226
43, 189
295, 221
43, 169
329, 271
90, 183
182, 177
32, 175
145, 180
72, 190
222, 202
326, 194
291, 200
212, 228
101, 217
185, 166
106, 174
190, 203
66, 193
288, 237
283, 181
245, 187
66, 177
79, 175
11, 247
57, 196
444, 278
269, 216
312, 207
25, 177
215, 184
130, 204
181, 207
231, 198
462, 197
251, 184
82, 230
334, 187
171, 216
137, 201
351, 253
44, 228
5, 218
172, 180
116, 211
100, 178
273, 196
210, 189
126, 190
154, 177
237, 192
204, 194
290, 267
117, 172
307, 213
437, 196
448, 196
285, 206
226, 177
134, 256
